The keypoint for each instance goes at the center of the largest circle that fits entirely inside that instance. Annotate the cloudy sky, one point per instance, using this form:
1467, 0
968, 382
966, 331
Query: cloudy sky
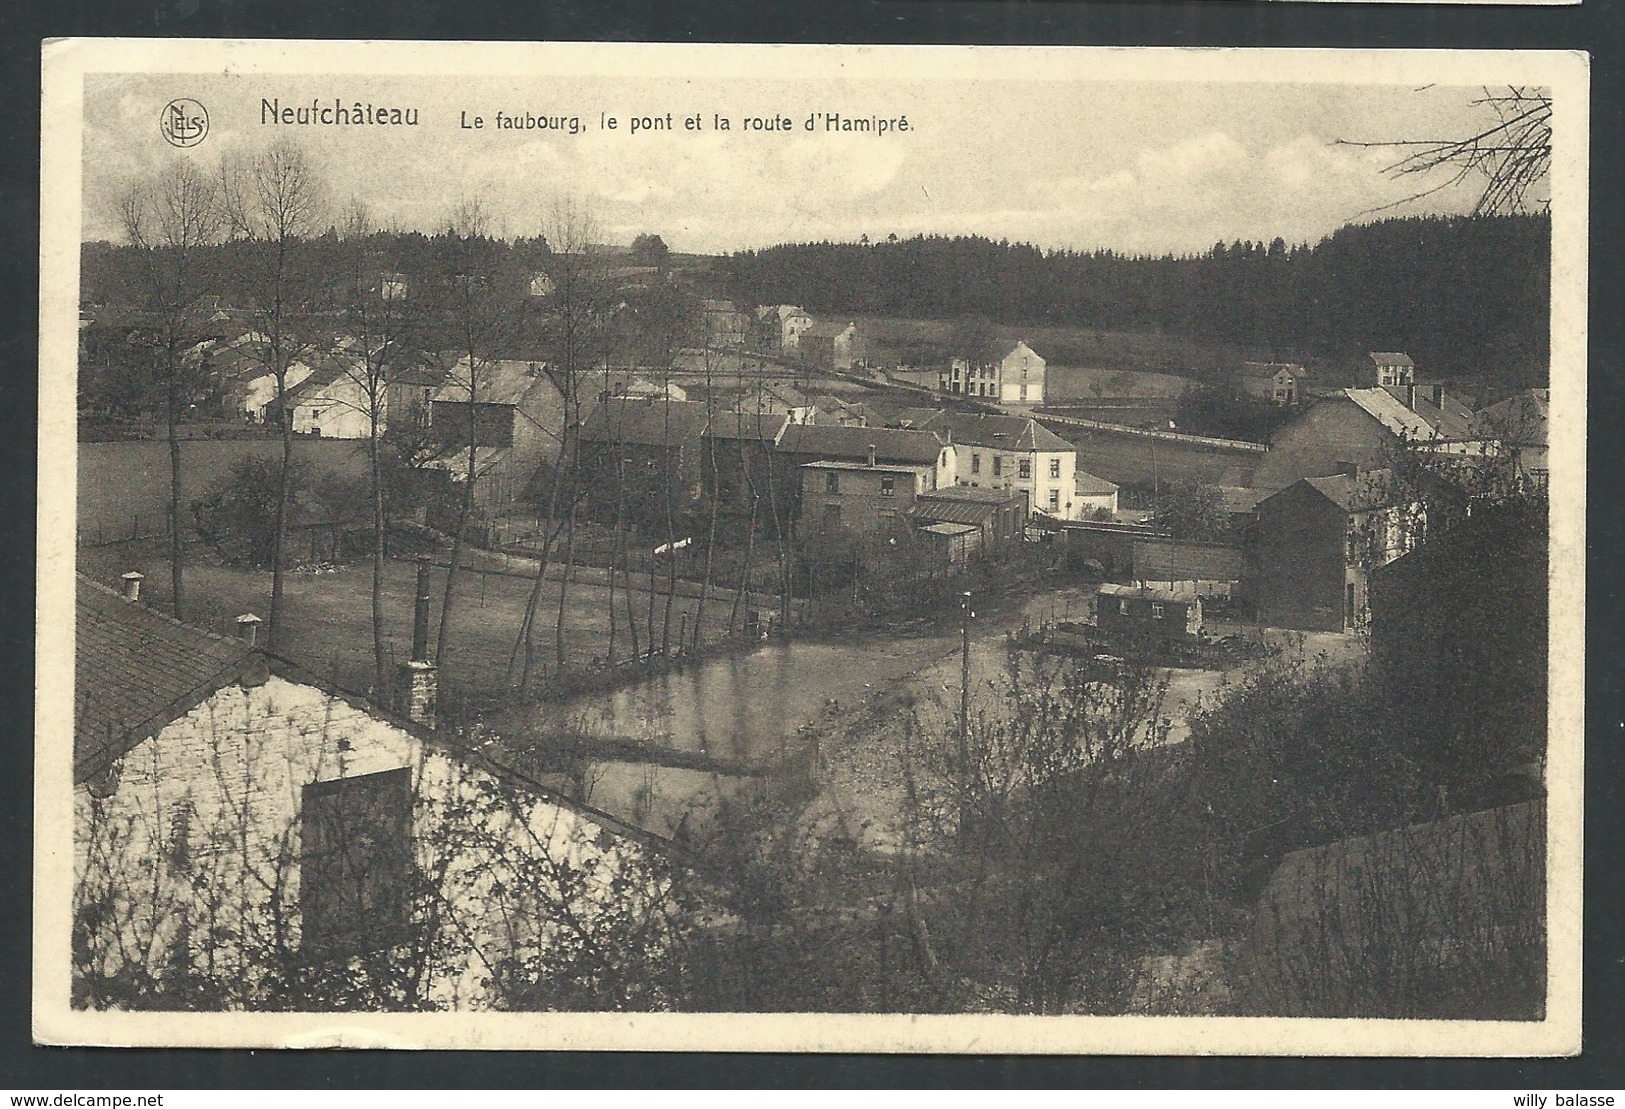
1152, 165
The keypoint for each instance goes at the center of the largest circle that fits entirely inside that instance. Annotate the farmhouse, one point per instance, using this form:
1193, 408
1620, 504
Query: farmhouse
1013, 452
1366, 427
1015, 376
647, 447
1280, 383
861, 497
834, 346
510, 413
247, 836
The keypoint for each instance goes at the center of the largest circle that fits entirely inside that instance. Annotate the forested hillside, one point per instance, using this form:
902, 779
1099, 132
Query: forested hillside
1465, 297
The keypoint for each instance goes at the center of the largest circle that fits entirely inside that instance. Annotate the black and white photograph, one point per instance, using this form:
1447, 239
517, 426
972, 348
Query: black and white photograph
1016, 549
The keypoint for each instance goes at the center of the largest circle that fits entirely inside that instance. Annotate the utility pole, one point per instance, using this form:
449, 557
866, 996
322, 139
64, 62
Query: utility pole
964, 715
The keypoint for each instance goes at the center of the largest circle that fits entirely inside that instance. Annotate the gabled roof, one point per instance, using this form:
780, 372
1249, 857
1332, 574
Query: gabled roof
916, 417
764, 427
1522, 417
1391, 358
645, 421
1011, 433
1149, 592
963, 504
135, 670
838, 441
1371, 489
502, 382
1270, 369
973, 494
1425, 422
1086, 484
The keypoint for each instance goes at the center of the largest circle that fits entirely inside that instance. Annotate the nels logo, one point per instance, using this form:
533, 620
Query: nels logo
184, 122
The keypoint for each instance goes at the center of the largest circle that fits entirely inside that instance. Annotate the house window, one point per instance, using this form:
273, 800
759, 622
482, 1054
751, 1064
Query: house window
888, 486
832, 483
1156, 610
975, 463
998, 465
1054, 499
1055, 467
1024, 468
354, 881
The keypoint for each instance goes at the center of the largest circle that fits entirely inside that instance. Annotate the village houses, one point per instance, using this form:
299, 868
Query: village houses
513, 416
1280, 383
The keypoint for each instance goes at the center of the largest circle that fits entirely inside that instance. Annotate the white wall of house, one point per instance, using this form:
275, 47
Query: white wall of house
222, 789
1049, 478
261, 390
1021, 376
339, 410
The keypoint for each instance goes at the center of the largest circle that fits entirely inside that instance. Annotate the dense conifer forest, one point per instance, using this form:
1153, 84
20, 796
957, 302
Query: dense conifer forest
1464, 296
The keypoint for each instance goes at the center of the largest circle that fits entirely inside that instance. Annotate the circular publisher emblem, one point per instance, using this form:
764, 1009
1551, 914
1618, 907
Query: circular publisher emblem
184, 122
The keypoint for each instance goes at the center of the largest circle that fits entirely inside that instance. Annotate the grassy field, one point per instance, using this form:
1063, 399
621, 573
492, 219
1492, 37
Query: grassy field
125, 486
1090, 350
329, 615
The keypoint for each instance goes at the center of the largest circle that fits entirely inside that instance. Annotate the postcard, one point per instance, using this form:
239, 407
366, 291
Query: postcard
761, 548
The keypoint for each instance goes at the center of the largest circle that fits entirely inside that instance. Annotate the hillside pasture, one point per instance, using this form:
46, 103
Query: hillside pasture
124, 487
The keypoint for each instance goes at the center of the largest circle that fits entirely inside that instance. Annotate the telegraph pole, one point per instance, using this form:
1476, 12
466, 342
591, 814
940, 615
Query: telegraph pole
964, 715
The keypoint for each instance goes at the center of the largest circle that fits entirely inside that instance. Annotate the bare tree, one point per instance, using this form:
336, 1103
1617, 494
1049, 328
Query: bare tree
168, 218
1511, 150
570, 324
376, 320
275, 199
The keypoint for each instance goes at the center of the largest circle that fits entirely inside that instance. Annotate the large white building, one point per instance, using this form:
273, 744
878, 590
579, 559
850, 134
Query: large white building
1015, 377
1011, 452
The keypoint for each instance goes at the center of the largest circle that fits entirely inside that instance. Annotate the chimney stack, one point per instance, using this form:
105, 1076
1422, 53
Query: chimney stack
420, 615
248, 628
1438, 394
1410, 395
417, 681
871, 454
132, 585
1349, 469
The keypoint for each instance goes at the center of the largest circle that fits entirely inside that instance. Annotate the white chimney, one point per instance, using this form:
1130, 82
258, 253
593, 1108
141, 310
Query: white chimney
871, 454
132, 585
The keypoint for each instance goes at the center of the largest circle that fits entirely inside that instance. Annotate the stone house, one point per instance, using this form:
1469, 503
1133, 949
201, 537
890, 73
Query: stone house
1391, 367
1316, 543
1014, 377
249, 836
1367, 427
1012, 452
1280, 383
833, 346
648, 448
514, 417
861, 498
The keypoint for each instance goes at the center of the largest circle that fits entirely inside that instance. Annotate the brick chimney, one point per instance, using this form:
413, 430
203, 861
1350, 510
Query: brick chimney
1410, 395
1438, 394
871, 454
132, 585
417, 680
248, 628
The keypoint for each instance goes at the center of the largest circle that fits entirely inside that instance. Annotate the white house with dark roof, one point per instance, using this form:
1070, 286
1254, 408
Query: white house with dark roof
237, 819
1012, 452
1015, 376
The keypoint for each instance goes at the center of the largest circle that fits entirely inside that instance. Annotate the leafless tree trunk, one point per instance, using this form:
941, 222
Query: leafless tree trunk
167, 218
276, 198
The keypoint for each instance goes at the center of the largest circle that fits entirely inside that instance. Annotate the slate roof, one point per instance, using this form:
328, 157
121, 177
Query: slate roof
135, 670
645, 421
1424, 422
963, 504
1270, 369
1522, 416
835, 441
1012, 433
1149, 592
1086, 484
1391, 358
504, 382
764, 427
1371, 489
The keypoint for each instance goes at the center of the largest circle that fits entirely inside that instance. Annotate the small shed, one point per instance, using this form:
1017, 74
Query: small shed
1149, 610
952, 544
